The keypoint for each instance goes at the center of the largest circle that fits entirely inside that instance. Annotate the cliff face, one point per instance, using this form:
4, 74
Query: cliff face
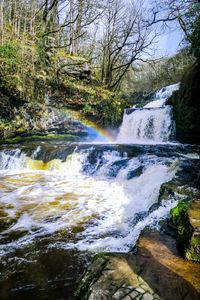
186, 103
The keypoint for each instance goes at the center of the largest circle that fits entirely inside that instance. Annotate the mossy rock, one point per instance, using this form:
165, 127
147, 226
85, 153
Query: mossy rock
188, 239
193, 251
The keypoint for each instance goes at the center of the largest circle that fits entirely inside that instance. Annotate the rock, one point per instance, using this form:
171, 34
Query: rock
89, 278
75, 66
147, 296
135, 173
186, 218
120, 294
193, 251
155, 271
187, 107
127, 298
140, 290
116, 166
194, 214
134, 294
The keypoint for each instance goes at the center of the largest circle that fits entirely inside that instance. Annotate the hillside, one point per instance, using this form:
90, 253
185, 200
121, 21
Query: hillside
33, 82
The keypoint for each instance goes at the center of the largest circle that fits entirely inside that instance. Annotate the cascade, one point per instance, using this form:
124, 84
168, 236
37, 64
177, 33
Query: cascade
151, 124
80, 190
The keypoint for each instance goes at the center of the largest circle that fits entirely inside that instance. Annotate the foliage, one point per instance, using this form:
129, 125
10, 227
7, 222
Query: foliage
9, 63
194, 34
151, 76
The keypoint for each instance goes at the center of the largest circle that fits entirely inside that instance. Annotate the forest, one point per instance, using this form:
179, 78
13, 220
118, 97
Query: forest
98, 53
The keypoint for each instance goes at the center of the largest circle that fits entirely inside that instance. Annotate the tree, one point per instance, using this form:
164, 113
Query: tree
185, 12
125, 39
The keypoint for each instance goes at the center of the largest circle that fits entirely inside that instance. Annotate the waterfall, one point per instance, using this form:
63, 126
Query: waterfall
152, 123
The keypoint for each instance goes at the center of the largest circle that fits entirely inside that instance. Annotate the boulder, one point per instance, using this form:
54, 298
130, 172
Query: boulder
76, 67
155, 271
186, 219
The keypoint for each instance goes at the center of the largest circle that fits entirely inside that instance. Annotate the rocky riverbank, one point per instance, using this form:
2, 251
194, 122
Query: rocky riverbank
40, 120
164, 264
155, 271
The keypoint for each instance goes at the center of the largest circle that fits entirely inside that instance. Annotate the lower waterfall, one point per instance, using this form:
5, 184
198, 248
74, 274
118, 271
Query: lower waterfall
98, 194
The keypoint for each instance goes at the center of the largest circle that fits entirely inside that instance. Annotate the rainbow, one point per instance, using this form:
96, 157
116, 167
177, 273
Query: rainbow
101, 131
102, 134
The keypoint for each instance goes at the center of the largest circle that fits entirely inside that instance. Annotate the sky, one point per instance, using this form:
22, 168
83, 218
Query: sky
169, 43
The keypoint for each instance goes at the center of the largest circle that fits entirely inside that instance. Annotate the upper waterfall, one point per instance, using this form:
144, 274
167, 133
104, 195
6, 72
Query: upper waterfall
152, 123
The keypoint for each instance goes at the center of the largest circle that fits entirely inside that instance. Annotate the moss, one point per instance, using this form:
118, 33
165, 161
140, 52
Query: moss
100, 255
3, 214
188, 242
20, 139
193, 251
178, 211
184, 230
94, 101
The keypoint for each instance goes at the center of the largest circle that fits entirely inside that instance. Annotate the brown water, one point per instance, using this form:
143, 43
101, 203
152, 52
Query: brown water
59, 207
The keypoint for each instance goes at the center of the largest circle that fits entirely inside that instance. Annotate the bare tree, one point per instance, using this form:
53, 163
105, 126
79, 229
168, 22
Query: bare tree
125, 39
166, 11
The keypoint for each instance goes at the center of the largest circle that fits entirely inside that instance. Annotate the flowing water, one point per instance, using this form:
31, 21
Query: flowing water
62, 201
151, 124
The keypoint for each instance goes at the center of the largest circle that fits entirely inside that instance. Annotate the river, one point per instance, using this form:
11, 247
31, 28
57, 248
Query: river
63, 201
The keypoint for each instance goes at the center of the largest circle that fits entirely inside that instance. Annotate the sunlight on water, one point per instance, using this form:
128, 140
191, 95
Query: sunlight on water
99, 204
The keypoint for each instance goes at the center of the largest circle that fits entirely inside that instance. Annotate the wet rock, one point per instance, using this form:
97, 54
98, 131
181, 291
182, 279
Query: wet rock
154, 272
84, 290
135, 173
116, 166
194, 214
186, 218
193, 251
186, 106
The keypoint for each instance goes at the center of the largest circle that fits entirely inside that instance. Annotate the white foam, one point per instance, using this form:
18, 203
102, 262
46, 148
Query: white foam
151, 124
145, 126
44, 202
12, 159
167, 91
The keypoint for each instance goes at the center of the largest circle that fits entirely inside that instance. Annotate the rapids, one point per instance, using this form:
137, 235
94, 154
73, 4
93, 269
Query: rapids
101, 198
